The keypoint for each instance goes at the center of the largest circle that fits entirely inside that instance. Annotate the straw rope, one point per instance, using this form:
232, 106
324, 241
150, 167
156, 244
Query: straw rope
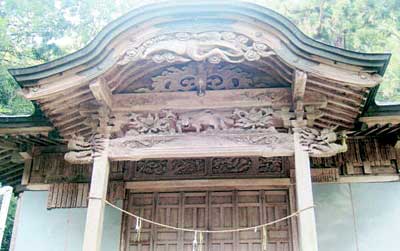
209, 231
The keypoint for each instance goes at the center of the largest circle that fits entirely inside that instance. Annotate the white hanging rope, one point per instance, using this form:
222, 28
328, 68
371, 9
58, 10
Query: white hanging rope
138, 228
209, 231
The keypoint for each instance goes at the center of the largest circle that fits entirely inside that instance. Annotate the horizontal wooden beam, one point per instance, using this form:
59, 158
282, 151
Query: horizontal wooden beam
369, 178
271, 97
217, 144
26, 130
380, 120
205, 185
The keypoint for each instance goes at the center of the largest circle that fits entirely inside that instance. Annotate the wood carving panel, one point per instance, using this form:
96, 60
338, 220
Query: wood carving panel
231, 165
200, 76
156, 169
212, 47
52, 168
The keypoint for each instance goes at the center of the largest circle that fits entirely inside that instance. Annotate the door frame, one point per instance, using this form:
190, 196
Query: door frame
239, 184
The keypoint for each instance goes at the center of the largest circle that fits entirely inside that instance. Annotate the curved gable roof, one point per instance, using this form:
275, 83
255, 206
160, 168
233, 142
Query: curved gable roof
220, 11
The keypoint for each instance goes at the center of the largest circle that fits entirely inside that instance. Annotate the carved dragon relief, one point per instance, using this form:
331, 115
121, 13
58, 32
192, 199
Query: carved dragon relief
213, 47
82, 151
321, 143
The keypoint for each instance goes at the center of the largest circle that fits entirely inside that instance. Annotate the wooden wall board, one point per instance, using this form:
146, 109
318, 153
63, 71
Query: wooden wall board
75, 195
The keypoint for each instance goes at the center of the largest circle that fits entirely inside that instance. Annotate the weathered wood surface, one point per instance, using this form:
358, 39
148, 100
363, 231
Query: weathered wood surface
208, 184
364, 156
320, 175
161, 169
75, 195
307, 222
272, 97
52, 168
210, 210
380, 158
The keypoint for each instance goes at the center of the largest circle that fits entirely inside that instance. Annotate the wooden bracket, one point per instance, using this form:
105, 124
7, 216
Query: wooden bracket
101, 92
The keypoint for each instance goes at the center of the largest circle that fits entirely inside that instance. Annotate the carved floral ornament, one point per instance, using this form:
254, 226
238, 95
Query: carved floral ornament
212, 47
168, 122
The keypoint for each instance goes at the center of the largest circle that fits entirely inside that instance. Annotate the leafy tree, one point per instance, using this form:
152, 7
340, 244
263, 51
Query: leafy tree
5, 245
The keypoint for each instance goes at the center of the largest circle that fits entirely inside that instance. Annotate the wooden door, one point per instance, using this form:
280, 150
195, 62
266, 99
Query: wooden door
215, 210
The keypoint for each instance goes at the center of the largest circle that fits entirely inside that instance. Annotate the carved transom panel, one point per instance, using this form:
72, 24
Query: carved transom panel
209, 167
196, 75
167, 122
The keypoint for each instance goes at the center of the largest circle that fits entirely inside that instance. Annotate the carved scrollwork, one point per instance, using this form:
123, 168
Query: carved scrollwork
188, 167
151, 167
270, 165
230, 165
320, 143
270, 137
218, 77
142, 143
213, 47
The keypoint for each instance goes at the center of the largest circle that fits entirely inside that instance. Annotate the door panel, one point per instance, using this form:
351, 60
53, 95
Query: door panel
216, 210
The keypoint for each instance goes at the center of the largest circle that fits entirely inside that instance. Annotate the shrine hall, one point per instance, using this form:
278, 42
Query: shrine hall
204, 126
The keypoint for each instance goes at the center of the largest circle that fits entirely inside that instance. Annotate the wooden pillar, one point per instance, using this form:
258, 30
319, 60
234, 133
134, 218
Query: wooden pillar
97, 195
306, 220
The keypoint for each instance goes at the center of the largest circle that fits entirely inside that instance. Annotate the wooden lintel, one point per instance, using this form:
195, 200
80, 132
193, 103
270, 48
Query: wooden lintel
219, 144
271, 97
205, 185
101, 92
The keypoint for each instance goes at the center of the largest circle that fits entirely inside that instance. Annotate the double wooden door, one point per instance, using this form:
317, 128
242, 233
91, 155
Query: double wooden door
209, 210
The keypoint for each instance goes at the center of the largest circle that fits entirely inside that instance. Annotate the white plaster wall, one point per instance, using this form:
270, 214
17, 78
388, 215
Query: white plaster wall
59, 229
358, 216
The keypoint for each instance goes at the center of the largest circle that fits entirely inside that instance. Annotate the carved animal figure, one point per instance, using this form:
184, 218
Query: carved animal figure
82, 151
321, 143
202, 120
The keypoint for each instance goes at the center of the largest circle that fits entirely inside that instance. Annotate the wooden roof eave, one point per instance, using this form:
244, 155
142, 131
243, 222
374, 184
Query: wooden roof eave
30, 75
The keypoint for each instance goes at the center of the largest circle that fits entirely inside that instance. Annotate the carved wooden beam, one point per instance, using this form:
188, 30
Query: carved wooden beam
101, 92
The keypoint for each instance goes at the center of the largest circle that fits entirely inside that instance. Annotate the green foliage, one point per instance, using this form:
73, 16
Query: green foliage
360, 25
5, 245
37, 31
